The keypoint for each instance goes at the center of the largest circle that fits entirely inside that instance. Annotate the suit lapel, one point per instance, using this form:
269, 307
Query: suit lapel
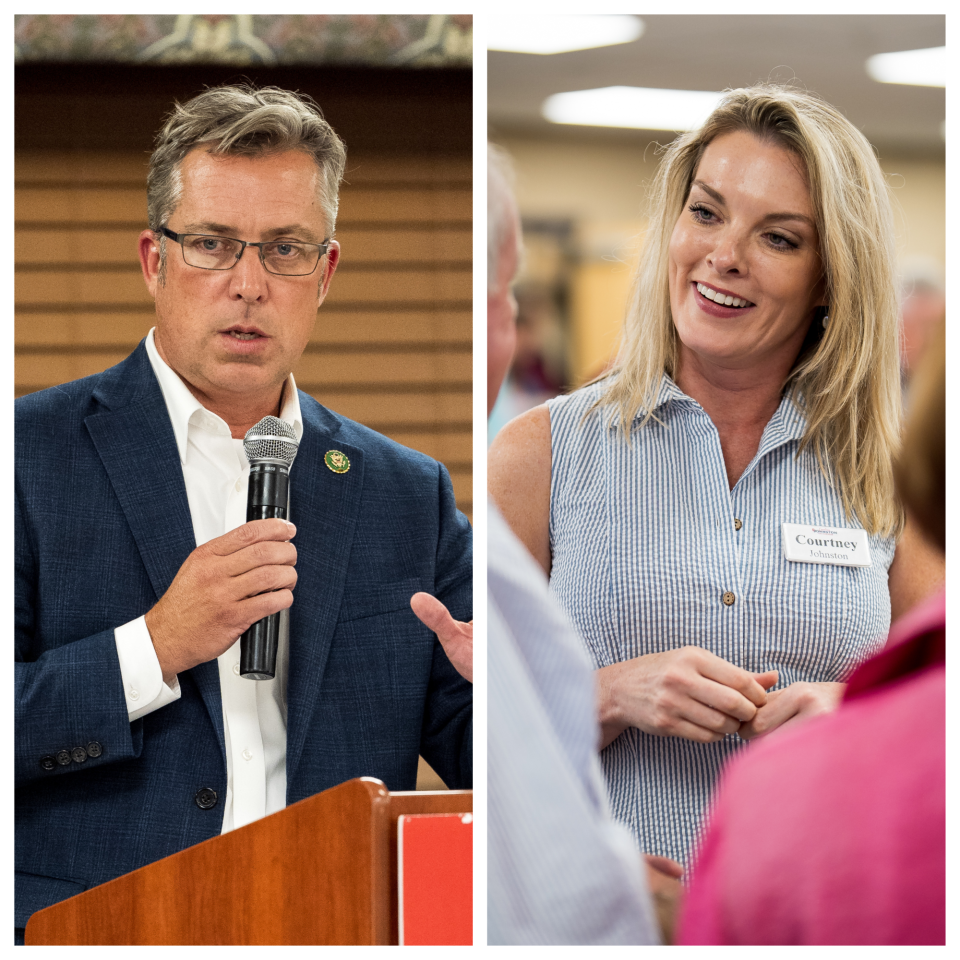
139, 453
324, 506
135, 441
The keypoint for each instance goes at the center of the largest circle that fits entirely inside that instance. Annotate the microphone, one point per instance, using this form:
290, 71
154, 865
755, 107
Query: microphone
270, 447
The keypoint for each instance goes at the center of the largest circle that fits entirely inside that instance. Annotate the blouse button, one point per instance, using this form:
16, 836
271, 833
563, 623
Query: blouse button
737, 523
236, 669
728, 598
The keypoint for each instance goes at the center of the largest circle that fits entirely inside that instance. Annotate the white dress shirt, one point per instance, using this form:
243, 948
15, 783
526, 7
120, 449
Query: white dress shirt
559, 869
215, 472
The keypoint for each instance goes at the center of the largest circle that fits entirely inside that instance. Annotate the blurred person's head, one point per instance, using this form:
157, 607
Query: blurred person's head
920, 469
845, 375
921, 308
503, 252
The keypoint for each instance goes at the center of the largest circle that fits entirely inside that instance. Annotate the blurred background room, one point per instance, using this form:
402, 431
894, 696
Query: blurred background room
581, 103
392, 346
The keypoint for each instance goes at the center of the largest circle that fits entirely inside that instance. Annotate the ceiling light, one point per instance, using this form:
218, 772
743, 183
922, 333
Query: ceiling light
559, 34
921, 68
643, 108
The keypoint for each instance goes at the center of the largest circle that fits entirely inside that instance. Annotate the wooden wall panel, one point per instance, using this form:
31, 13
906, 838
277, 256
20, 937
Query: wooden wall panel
392, 346
104, 284
336, 328
130, 169
370, 247
99, 203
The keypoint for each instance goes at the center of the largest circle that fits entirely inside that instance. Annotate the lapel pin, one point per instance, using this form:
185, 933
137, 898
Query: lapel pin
338, 462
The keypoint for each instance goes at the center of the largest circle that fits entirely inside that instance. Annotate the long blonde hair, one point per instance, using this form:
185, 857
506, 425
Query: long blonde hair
846, 379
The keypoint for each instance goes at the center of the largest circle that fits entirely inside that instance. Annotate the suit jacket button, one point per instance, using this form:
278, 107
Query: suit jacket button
48, 763
64, 758
206, 798
78, 754
94, 749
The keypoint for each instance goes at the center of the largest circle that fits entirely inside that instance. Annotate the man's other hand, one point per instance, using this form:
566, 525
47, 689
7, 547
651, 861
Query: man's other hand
455, 637
225, 586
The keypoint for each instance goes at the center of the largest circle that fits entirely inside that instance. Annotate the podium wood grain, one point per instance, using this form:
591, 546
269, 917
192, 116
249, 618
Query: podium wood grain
322, 871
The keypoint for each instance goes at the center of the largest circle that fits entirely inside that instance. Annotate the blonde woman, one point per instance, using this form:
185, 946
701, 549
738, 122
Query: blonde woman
717, 515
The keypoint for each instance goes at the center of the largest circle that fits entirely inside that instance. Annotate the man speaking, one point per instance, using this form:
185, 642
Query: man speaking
136, 734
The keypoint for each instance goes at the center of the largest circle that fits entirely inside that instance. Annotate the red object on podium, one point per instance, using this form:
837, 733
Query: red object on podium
435, 854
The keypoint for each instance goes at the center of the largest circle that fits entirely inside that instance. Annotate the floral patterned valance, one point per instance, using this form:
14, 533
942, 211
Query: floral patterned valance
438, 40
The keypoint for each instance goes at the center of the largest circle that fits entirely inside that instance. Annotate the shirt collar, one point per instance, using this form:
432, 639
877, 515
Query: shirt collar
787, 423
185, 410
670, 391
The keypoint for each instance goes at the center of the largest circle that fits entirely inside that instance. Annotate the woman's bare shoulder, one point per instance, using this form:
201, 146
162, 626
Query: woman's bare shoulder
518, 479
527, 434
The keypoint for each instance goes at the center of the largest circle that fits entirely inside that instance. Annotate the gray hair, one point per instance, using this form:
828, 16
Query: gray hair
499, 209
243, 121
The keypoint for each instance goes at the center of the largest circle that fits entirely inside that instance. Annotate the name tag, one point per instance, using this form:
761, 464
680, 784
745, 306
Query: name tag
841, 545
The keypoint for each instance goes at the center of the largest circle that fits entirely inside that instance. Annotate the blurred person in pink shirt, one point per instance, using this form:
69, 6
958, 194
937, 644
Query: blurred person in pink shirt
833, 831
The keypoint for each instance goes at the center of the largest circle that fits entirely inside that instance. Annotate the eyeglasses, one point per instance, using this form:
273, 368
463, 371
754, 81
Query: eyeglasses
288, 258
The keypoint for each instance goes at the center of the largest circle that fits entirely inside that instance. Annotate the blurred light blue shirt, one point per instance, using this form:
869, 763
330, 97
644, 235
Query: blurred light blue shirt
559, 870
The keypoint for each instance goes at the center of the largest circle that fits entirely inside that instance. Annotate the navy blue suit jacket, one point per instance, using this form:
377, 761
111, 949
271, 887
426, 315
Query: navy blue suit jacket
102, 527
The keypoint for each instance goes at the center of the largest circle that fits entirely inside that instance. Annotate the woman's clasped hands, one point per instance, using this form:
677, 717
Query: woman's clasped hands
692, 693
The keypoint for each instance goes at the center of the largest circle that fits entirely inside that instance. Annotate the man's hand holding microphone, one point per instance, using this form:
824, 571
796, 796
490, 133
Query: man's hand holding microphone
223, 587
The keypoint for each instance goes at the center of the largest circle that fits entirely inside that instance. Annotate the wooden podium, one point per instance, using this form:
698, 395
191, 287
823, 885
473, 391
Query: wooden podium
323, 871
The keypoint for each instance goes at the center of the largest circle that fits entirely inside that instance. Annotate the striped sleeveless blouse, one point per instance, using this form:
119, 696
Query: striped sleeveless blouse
646, 541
